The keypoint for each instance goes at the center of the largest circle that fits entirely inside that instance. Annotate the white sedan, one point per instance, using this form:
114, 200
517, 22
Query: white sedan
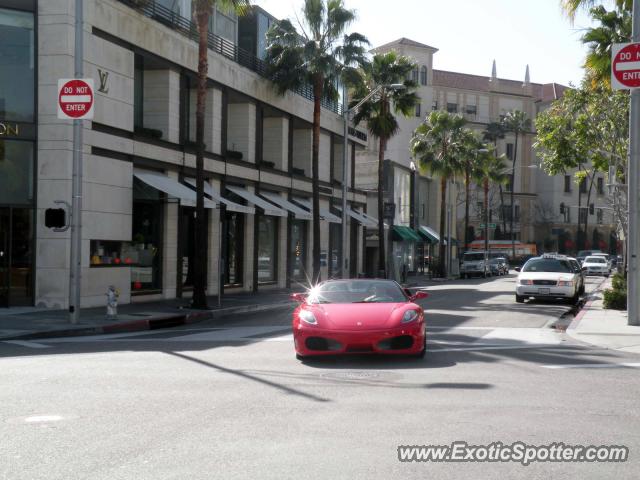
549, 276
596, 265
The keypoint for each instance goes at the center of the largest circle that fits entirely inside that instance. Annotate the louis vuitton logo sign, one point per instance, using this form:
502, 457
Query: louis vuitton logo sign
104, 77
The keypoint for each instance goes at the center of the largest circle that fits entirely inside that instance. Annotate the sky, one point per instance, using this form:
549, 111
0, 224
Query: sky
470, 34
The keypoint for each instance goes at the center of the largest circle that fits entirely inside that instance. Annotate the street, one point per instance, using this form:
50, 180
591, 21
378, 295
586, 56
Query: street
228, 399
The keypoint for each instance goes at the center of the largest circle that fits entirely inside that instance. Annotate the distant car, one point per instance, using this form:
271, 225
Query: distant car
473, 264
607, 257
549, 276
358, 316
505, 265
498, 266
596, 265
582, 254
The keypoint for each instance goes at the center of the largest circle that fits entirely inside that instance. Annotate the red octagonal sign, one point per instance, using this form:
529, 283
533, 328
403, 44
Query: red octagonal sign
625, 66
75, 98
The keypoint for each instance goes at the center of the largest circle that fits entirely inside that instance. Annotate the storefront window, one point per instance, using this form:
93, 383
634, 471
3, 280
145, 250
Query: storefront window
335, 248
267, 241
232, 248
17, 66
298, 249
145, 249
16, 172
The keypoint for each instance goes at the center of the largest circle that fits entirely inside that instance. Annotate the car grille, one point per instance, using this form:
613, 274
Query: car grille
545, 282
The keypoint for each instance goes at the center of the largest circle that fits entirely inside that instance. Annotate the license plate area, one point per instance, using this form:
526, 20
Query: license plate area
543, 291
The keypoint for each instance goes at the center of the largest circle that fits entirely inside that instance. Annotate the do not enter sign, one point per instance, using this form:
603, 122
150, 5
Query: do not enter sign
75, 99
625, 66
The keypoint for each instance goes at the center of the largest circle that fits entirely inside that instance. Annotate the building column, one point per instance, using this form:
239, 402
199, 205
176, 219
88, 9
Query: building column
241, 130
170, 246
161, 103
275, 143
215, 244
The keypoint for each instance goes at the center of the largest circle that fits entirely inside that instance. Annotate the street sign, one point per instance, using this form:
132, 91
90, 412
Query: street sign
625, 66
491, 225
75, 99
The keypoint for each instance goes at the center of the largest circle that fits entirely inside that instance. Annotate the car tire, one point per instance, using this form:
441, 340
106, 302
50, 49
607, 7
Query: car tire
462, 276
581, 290
422, 352
519, 298
574, 300
300, 357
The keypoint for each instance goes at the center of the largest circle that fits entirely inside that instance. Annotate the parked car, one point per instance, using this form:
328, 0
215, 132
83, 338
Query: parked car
498, 266
358, 316
582, 254
596, 265
473, 264
550, 276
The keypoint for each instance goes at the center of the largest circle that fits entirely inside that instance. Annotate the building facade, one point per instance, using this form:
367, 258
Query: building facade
139, 158
415, 195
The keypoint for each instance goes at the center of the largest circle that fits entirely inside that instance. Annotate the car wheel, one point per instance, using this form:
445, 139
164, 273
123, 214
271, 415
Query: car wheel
519, 298
462, 276
581, 291
422, 352
299, 357
573, 300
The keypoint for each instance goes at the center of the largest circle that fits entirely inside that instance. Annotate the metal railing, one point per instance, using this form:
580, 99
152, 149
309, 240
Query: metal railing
218, 44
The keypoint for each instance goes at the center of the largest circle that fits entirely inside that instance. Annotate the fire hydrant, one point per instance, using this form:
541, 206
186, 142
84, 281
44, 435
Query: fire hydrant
112, 302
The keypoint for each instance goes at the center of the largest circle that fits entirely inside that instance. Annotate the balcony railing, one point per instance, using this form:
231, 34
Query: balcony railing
218, 44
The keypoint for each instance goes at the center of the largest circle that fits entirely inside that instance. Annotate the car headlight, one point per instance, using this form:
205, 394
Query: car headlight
565, 283
409, 316
526, 282
307, 317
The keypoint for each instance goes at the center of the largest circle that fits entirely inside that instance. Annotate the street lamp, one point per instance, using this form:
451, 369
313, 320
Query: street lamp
346, 116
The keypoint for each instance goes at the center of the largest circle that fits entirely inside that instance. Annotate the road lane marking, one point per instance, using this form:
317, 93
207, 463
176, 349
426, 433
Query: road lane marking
593, 365
24, 343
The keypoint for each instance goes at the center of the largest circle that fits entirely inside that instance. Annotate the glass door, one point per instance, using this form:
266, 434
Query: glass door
5, 233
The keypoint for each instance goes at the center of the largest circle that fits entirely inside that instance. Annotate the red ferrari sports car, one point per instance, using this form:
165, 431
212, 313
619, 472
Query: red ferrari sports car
358, 316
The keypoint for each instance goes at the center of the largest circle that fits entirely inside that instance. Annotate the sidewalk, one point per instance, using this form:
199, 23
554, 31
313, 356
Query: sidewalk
604, 328
30, 323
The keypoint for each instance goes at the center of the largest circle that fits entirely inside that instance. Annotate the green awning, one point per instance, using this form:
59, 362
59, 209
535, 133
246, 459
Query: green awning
405, 234
429, 234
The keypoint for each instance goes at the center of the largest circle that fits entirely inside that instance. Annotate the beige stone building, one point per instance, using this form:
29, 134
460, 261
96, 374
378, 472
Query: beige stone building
139, 157
481, 100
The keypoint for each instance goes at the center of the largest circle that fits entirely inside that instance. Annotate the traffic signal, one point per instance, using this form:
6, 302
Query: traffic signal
562, 208
592, 209
55, 218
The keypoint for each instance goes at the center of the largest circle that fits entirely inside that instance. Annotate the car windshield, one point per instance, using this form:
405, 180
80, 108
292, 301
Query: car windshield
496, 261
595, 260
473, 257
357, 291
548, 265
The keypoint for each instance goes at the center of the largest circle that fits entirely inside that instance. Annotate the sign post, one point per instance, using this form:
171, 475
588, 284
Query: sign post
75, 102
625, 73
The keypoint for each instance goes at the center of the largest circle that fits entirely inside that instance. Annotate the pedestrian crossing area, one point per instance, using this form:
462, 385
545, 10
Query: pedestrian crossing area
439, 338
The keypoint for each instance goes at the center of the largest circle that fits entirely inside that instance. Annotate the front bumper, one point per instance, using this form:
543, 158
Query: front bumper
403, 340
542, 291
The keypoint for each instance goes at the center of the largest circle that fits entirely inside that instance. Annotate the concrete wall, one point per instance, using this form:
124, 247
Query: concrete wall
161, 103
241, 133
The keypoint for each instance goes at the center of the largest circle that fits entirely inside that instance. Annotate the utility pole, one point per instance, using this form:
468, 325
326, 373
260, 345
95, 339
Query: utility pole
633, 179
76, 200
345, 171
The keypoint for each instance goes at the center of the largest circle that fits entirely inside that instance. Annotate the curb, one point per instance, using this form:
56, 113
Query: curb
165, 321
576, 320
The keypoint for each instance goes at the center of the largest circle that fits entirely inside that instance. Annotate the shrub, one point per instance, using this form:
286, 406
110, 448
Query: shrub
615, 299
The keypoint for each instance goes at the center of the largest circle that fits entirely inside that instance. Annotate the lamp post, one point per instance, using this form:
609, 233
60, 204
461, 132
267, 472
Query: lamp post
347, 112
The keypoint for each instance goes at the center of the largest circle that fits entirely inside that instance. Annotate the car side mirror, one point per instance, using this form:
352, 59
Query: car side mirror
418, 295
517, 269
298, 297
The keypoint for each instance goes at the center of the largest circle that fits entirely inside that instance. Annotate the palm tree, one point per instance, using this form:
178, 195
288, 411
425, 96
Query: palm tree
385, 70
492, 133
468, 156
203, 9
317, 56
614, 27
517, 123
571, 7
436, 144
489, 168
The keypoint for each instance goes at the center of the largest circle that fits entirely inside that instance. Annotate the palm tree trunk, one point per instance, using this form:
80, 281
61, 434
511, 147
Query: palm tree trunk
382, 258
513, 187
486, 215
443, 213
315, 186
466, 208
199, 280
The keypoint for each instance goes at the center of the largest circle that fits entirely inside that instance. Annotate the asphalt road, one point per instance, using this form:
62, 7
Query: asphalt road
229, 400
